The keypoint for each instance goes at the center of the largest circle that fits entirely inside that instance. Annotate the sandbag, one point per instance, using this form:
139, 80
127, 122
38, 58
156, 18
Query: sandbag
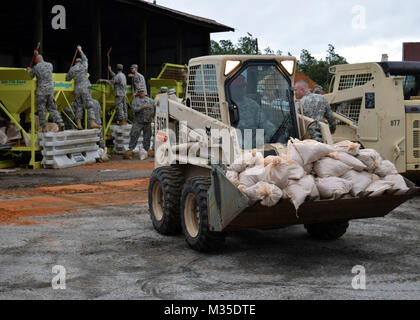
143, 154
359, 180
308, 168
248, 159
386, 168
296, 171
103, 155
379, 187
371, 159
277, 173
399, 183
252, 176
268, 194
233, 177
348, 147
349, 160
328, 167
52, 127
293, 154
311, 150
298, 191
333, 186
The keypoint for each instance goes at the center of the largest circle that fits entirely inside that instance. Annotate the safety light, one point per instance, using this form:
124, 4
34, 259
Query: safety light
231, 65
289, 65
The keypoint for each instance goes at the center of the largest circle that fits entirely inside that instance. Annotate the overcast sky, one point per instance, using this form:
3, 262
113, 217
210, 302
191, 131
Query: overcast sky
361, 30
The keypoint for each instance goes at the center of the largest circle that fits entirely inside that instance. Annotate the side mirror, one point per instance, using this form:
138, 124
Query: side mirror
234, 115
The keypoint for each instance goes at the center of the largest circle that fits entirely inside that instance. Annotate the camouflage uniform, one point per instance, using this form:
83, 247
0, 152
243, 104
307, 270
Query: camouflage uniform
82, 94
97, 113
316, 107
119, 81
139, 83
142, 122
45, 93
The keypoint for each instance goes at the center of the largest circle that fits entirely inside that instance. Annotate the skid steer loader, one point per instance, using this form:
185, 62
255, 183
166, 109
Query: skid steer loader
378, 105
235, 103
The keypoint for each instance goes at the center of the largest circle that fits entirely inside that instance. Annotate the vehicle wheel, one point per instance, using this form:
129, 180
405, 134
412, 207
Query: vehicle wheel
327, 231
164, 197
194, 217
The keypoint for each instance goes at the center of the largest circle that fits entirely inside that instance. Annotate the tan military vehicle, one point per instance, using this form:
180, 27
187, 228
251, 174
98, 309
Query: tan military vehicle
229, 97
378, 105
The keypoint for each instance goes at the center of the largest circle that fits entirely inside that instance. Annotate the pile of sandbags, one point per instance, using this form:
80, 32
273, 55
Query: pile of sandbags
314, 170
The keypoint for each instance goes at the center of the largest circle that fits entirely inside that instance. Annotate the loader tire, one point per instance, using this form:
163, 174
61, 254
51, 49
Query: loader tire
195, 219
327, 231
164, 200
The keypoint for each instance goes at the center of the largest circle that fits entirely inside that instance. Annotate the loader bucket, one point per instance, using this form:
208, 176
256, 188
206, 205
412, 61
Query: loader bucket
229, 210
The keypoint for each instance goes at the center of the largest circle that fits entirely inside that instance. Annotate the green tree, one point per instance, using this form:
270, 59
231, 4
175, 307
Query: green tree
318, 70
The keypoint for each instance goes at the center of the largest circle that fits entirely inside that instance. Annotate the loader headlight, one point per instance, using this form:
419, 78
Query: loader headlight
289, 65
230, 66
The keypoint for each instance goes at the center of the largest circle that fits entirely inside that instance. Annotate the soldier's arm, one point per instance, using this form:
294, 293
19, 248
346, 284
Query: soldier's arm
330, 116
84, 59
31, 73
70, 75
112, 73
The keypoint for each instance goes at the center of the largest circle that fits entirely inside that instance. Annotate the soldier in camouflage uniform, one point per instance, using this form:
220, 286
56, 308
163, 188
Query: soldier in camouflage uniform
143, 108
45, 93
138, 80
97, 113
119, 81
82, 94
316, 107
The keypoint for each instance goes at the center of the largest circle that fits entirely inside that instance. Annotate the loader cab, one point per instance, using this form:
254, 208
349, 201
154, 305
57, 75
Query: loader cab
261, 104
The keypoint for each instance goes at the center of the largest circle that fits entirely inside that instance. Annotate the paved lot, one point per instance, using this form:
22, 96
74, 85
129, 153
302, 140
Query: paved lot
101, 233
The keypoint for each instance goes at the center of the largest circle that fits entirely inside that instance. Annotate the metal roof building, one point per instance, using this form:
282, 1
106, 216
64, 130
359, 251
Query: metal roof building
138, 31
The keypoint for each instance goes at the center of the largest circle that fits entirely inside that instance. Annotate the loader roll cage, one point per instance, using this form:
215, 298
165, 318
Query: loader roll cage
260, 97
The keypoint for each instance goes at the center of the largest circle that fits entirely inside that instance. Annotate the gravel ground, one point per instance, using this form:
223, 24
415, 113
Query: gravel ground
114, 253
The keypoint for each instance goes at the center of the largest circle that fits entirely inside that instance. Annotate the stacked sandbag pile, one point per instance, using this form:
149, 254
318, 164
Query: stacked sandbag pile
314, 170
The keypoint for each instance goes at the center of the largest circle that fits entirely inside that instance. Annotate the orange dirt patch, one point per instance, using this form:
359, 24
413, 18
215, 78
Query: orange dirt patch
46, 201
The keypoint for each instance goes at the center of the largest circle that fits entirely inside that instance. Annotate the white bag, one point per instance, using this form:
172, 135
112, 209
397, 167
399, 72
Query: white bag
308, 168
349, 147
143, 154
248, 159
311, 150
386, 168
252, 176
328, 167
233, 177
349, 160
379, 187
296, 171
103, 154
293, 154
371, 158
399, 183
360, 181
298, 191
268, 194
277, 173
333, 186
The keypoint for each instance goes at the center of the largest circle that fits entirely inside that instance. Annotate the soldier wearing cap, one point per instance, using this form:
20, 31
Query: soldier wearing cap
45, 92
83, 96
119, 81
162, 90
138, 80
143, 108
